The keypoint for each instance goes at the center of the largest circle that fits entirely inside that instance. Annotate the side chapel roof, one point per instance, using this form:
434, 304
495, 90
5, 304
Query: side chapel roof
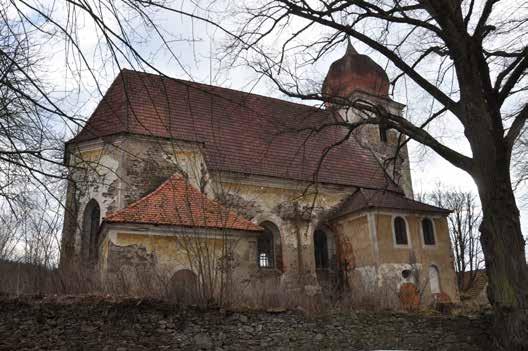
364, 199
178, 203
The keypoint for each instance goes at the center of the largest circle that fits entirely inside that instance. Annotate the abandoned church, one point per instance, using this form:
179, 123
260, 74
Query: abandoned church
190, 181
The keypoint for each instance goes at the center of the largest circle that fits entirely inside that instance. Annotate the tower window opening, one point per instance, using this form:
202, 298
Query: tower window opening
383, 133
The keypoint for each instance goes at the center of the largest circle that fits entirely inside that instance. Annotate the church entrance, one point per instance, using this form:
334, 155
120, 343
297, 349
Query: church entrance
324, 253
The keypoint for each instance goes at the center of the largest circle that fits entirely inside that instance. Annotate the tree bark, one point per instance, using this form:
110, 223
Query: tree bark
504, 250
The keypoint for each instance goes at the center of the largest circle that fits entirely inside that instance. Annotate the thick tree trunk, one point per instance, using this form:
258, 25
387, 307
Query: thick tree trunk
504, 250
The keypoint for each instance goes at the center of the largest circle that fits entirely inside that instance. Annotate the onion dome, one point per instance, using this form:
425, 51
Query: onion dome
355, 72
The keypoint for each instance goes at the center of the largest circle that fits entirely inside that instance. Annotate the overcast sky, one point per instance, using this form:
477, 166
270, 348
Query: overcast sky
198, 60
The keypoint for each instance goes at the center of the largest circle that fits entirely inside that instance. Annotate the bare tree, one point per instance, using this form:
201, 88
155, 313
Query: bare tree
463, 223
480, 78
30, 145
520, 165
9, 234
479, 49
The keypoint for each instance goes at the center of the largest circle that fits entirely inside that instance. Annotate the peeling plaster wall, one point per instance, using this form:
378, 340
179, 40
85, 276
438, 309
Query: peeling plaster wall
295, 214
166, 254
148, 162
356, 246
367, 244
440, 254
118, 171
94, 174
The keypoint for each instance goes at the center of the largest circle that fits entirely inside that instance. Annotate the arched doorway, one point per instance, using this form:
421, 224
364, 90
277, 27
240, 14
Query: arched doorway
325, 260
90, 238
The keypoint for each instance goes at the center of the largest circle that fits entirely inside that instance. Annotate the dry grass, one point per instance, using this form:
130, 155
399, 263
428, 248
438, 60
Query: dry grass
24, 279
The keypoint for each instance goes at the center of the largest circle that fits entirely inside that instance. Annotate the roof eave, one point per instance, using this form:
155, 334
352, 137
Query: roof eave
114, 222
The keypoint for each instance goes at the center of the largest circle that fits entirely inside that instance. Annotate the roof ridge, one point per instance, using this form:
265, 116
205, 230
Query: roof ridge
365, 197
408, 198
425, 203
236, 127
205, 85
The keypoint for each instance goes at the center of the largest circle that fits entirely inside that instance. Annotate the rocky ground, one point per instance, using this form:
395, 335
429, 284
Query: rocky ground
93, 323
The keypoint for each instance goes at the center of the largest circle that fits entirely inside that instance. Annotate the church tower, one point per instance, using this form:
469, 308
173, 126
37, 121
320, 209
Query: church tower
356, 78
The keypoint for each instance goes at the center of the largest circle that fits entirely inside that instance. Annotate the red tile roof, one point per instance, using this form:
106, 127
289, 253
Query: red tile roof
366, 198
178, 203
240, 132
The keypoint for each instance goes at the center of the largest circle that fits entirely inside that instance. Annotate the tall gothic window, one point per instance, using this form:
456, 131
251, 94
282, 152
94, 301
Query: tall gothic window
266, 247
400, 231
90, 238
321, 250
428, 231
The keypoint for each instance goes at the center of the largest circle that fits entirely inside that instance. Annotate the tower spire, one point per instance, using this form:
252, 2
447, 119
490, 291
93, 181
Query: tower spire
355, 72
350, 49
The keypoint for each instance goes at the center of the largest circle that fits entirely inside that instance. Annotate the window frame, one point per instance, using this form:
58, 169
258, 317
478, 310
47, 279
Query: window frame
273, 256
435, 239
407, 232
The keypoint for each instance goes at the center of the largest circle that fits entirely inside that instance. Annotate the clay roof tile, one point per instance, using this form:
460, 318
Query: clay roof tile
240, 132
178, 203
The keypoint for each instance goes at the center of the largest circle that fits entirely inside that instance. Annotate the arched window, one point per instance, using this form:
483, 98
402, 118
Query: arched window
434, 279
90, 239
400, 231
320, 249
266, 245
428, 231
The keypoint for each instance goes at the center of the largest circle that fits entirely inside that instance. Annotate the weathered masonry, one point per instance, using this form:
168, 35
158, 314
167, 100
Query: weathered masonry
274, 193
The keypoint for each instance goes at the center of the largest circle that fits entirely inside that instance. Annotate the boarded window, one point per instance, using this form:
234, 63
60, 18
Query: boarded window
400, 231
184, 286
428, 231
434, 279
